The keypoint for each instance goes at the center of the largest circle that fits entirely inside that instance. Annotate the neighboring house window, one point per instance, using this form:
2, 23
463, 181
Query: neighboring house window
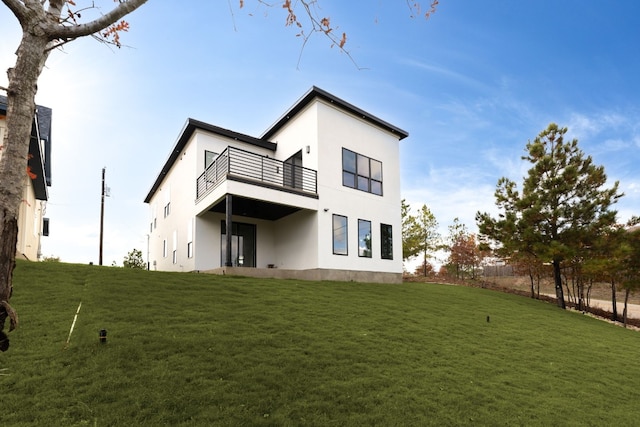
151, 228
190, 250
364, 238
386, 241
175, 256
209, 158
361, 172
167, 209
340, 235
164, 248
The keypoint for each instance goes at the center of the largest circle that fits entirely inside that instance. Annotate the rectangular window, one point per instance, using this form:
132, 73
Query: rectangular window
167, 209
386, 241
164, 248
364, 238
209, 158
361, 172
175, 256
340, 233
190, 238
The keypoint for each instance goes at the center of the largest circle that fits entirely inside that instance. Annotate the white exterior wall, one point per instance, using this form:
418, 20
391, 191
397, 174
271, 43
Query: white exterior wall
207, 241
326, 130
338, 130
296, 243
180, 184
178, 189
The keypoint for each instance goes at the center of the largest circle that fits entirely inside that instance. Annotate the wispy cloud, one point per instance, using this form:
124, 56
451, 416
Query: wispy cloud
446, 73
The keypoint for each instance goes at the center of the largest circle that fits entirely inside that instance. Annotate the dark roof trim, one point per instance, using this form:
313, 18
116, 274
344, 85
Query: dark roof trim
316, 92
187, 132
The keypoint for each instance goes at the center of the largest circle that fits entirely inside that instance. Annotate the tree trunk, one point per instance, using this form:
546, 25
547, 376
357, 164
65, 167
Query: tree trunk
533, 286
614, 302
31, 56
557, 278
624, 312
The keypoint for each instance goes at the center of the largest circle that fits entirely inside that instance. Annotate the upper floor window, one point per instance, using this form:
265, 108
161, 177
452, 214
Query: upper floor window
209, 158
361, 172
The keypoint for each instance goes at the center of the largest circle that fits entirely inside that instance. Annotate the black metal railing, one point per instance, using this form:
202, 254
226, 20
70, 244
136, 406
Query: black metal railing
235, 162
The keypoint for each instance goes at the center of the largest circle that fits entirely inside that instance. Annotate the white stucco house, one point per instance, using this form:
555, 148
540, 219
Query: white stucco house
316, 197
32, 224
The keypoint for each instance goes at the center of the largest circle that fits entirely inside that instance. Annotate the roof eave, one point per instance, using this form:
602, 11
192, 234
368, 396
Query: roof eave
190, 127
316, 92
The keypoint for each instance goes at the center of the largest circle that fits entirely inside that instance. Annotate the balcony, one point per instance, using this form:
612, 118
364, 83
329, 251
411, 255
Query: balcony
245, 166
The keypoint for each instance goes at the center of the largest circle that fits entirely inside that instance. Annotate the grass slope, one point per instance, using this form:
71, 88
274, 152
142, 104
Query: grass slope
189, 349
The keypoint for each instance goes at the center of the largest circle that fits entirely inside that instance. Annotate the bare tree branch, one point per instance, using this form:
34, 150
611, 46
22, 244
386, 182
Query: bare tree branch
57, 31
17, 8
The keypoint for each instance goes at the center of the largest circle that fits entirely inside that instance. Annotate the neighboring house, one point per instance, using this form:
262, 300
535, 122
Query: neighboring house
317, 197
32, 224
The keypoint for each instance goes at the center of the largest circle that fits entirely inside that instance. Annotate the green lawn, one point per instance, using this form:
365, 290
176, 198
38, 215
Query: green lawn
196, 349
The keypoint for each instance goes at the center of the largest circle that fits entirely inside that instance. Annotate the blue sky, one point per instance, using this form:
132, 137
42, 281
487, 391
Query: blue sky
471, 85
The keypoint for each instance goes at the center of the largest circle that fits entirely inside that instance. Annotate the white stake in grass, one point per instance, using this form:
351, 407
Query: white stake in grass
73, 324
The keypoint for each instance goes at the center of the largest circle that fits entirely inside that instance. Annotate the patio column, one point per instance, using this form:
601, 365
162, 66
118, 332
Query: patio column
229, 210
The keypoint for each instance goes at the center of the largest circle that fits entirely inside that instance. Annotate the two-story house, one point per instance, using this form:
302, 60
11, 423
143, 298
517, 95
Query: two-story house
32, 224
317, 197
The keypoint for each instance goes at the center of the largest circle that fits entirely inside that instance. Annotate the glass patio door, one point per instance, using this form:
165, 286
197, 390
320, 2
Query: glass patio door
243, 244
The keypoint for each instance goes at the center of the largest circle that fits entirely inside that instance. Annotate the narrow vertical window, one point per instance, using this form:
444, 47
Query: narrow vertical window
190, 238
364, 238
348, 168
386, 241
340, 233
164, 248
175, 247
376, 177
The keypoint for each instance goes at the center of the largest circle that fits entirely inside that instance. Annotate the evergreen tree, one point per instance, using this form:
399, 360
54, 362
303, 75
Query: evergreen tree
563, 206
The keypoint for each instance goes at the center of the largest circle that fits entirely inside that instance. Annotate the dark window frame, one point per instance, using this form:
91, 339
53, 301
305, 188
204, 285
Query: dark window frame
361, 177
362, 253
386, 241
345, 234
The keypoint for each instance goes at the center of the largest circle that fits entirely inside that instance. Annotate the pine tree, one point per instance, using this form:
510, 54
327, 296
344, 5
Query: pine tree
563, 206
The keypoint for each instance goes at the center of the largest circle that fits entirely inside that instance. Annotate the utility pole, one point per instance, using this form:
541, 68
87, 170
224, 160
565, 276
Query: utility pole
102, 215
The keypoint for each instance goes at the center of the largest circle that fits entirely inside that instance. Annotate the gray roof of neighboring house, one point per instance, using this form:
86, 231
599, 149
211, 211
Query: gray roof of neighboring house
263, 141
39, 162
